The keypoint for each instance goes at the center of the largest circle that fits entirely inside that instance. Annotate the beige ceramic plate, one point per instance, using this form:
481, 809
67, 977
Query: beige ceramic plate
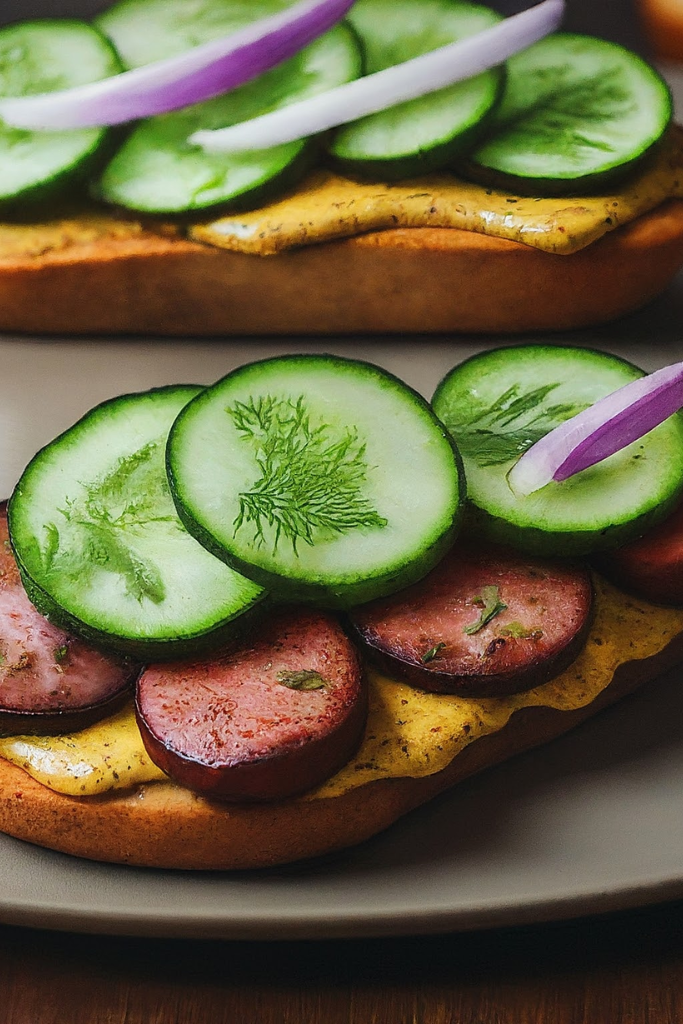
590, 822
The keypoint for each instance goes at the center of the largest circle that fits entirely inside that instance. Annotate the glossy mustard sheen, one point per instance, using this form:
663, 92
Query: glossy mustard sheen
105, 756
326, 206
410, 733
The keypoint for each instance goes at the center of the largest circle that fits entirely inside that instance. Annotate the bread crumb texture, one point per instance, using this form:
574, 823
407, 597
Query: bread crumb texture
327, 206
410, 733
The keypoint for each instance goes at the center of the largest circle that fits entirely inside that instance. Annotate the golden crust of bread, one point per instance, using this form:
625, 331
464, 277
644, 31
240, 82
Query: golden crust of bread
162, 825
401, 280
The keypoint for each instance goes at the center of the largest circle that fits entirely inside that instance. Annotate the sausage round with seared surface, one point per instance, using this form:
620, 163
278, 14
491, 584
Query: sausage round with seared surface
651, 566
485, 622
50, 682
264, 721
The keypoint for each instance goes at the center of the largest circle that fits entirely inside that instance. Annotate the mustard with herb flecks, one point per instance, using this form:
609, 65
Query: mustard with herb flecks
326, 206
105, 756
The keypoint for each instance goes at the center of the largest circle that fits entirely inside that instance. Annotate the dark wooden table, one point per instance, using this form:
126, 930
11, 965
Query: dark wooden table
620, 969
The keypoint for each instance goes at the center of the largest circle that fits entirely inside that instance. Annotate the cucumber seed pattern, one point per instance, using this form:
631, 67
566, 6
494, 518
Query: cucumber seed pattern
312, 474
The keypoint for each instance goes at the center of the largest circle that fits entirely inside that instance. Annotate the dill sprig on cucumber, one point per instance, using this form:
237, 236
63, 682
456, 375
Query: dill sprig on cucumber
99, 544
319, 509
515, 420
312, 477
577, 113
603, 506
96, 527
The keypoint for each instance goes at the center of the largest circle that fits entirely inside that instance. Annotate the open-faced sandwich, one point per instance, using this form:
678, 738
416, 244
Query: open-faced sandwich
251, 623
329, 166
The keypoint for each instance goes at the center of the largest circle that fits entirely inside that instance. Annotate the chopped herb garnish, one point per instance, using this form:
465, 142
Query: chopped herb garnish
491, 605
312, 475
61, 654
98, 531
432, 653
514, 422
520, 632
306, 679
50, 548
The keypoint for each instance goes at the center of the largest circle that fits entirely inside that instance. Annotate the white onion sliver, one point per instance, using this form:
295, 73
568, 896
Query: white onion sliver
610, 424
198, 74
417, 77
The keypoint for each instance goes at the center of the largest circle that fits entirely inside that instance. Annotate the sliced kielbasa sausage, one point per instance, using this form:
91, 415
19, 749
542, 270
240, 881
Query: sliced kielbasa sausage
49, 681
651, 566
264, 721
485, 622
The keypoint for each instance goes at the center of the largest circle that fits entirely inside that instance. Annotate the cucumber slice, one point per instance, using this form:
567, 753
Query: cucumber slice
144, 31
100, 547
330, 480
156, 170
497, 404
428, 132
577, 113
45, 56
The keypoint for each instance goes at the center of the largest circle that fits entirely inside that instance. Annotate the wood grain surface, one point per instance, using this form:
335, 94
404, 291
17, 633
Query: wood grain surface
620, 969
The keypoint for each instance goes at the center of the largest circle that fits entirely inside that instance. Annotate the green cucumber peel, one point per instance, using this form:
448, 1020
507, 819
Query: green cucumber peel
156, 170
47, 55
427, 133
314, 508
577, 114
539, 386
100, 547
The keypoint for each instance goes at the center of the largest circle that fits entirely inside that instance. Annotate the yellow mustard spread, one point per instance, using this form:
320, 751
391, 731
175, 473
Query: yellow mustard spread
66, 229
326, 206
107, 755
409, 733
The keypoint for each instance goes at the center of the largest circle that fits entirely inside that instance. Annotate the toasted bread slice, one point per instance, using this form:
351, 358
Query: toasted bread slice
418, 280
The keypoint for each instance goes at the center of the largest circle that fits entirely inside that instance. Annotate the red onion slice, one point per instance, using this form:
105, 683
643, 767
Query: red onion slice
199, 74
609, 425
417, 77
